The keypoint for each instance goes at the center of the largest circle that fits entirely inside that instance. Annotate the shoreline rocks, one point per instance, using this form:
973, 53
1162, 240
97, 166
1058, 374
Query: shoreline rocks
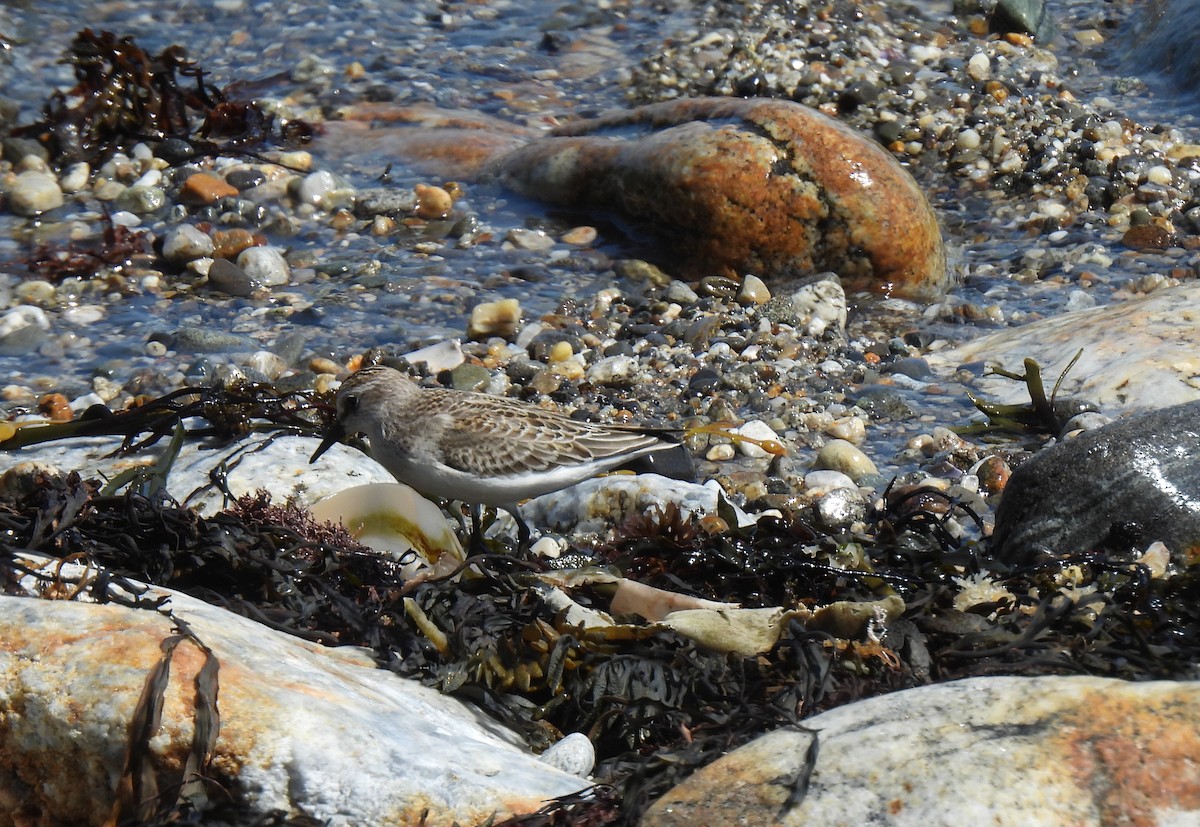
745, 186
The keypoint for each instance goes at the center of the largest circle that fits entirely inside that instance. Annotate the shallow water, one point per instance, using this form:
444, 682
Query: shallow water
526, 63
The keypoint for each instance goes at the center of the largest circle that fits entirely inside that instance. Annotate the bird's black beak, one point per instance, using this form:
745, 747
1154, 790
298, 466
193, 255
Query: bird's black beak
334, 434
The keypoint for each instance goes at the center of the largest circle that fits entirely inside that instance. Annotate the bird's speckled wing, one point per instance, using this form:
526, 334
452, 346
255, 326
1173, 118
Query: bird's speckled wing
492, 436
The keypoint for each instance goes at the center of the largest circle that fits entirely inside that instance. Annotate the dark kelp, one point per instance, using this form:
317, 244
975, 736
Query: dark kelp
124, 95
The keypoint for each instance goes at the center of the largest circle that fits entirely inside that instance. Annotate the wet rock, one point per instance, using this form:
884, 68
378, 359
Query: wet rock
202, 189
34, 193
22, 330
1050, 750
264, 265
840, 455
71, 674
1137, 354
745, 186
498, 318
1122, 486
227, 277
185, 243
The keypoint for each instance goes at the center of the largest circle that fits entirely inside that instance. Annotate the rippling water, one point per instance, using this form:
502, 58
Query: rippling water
522, 61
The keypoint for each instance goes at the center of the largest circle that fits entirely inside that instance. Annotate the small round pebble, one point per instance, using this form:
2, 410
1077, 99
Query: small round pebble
840, 455
185, 243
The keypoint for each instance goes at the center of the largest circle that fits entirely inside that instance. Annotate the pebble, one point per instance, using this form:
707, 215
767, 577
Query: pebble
534, 240
33, 193
264, 265
227, 277
22, 330
720, 452
185, 242
141, 199
755, 429
230, 243
574, 754
840, 455
820, 482
614, 370
432, 202
202, 189
498, 318
580, 236
75, 177
754, 291
315, 188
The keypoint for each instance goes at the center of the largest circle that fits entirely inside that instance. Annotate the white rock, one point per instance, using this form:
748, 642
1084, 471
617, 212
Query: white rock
264, 265
75, 177
1002, 750
279, 465
305, 728
445, 355
613, 370
1137, 354
315, 188
574, 754
840, 455
824, 481
821, 304
34, 192
186, 243
755, 429
596, 505
22, 329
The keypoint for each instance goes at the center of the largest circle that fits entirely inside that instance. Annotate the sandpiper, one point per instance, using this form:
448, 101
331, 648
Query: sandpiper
478, 448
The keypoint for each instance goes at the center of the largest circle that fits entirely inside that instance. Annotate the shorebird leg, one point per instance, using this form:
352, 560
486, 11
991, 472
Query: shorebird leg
523, 533
475, 542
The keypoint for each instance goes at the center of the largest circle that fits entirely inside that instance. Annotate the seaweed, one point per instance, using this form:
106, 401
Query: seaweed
655, 704
1043, 415
124, 95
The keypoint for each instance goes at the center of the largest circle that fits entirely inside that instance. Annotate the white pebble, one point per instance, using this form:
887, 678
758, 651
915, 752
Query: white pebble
755, 429
968, 139
720, 453
75, 177
1159, 175
264, 265
34, 193
979, 66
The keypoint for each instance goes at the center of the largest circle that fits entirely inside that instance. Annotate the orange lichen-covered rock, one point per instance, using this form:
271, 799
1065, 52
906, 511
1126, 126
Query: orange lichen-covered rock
745, 186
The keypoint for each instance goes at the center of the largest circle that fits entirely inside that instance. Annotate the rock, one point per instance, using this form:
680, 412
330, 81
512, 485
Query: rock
706, 174
186, 243
1006, 750
227, 277
753, 291
1029, 16
75, 177
840, 455
33, 193
201, 189
141, 200
278, 465
755, 429
1137, 354
264, 265
444, 355
1121, 486
432, 202
498, 318
599, 504
819, 306
316, 187
22, 330
303, 729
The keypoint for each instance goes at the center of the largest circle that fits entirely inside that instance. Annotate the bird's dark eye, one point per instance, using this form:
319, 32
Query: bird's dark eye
349, 404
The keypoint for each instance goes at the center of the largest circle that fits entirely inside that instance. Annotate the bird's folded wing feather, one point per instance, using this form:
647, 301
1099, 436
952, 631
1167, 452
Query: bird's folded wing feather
501, 442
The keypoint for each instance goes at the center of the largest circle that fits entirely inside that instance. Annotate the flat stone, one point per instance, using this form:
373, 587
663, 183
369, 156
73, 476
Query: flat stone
736, 186
1050, 751
303, 729
202, 189
1122, 486
1137, 354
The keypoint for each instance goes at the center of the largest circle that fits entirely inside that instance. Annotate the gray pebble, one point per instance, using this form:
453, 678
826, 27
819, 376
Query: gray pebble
315, 188
22, 330
206, 340
227, 277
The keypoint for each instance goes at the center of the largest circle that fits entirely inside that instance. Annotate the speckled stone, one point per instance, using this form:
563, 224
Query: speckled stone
745, 186
264, 265
1049, 751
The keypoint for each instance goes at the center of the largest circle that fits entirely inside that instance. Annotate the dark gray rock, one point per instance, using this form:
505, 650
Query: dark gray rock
1122, 486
